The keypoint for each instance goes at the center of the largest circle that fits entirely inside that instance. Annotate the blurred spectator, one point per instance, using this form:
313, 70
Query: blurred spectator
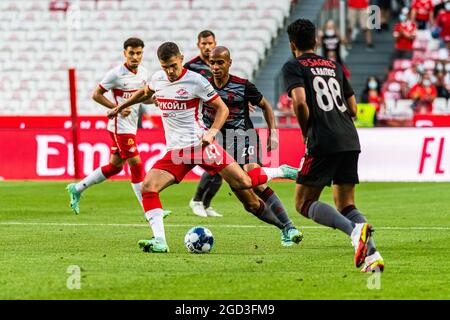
357, 13
441, 88
332, 56
439, 80
372, 93
330, 40
444, 53
412, 75
385, 6
422, 13
285, 104
443, 23
439, 7
404, 34
423, 94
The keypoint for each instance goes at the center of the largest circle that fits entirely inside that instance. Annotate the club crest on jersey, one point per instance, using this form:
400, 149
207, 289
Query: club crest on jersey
182, 93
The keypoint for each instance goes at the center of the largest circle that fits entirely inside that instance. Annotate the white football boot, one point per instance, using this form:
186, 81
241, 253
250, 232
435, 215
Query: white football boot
198, 208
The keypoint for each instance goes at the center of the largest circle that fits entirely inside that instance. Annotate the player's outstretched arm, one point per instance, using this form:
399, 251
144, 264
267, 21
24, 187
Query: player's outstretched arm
301, 108
137, 97
352, 106
221, 116
98, 96
272, 141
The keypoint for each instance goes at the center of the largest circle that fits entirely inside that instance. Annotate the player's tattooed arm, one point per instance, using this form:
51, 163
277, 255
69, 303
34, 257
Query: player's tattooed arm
301, 109
221, 116
272, 139
137, 97
352, 106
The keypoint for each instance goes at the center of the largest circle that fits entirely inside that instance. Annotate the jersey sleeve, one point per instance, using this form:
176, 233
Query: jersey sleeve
205, 90
252, 93
292, 76
109, 81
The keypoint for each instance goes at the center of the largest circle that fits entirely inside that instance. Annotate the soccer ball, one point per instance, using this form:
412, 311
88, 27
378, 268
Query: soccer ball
199, 240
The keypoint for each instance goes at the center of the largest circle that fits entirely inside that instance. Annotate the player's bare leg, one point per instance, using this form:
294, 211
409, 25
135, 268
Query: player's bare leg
99, 175
307, 203
155, 181
344, 199
274, 204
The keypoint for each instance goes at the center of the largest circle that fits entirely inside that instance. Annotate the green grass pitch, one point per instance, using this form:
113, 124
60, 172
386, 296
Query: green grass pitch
40, 238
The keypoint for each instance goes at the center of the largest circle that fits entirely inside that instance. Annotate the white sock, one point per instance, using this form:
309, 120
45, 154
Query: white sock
95, 177
137, 191
155, 219
273, 173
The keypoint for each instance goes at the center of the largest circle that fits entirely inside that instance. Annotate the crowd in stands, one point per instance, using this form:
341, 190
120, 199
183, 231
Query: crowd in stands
420, 69
419, 73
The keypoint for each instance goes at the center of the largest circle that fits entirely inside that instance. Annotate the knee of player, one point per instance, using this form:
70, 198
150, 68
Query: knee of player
244, 182
147, 186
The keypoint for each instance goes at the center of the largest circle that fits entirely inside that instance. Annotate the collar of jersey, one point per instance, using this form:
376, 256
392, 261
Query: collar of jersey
129, 69
216, 87
181, 75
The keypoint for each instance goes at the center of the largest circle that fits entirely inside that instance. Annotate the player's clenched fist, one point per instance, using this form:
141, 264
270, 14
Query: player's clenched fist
207, 138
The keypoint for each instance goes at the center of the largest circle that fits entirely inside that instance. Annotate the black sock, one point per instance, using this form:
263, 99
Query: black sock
353, 214
273, 202
202, 186
213, 187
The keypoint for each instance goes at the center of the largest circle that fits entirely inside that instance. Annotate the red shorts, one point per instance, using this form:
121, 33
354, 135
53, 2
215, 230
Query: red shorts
213, 158
124, 144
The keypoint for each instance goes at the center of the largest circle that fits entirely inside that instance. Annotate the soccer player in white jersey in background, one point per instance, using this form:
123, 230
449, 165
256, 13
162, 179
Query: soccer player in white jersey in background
180, 94
123, 80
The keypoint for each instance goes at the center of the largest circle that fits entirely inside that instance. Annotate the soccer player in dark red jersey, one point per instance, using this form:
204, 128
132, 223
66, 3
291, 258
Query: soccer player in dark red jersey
206, 42
241, 141
324, 103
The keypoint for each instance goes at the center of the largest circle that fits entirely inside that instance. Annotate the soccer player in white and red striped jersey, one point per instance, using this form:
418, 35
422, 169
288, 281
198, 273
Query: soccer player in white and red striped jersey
123, 81
180, 95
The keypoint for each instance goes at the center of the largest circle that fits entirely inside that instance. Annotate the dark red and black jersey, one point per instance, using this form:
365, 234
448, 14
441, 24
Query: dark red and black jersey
236, 94
330, 126
199, 66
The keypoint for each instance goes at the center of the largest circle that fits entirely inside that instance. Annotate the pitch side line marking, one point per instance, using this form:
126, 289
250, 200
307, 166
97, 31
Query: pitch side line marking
129, 225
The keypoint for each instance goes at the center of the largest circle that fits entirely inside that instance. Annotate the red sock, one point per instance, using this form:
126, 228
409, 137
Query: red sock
110, 170
258, 176
137, 173
150, 201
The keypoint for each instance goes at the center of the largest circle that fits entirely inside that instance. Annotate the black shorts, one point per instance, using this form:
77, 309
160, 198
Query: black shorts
384, 4
243, 148
339, 168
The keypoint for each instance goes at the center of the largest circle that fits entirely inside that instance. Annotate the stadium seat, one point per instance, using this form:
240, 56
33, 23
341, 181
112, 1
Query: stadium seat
37, 36
441, 106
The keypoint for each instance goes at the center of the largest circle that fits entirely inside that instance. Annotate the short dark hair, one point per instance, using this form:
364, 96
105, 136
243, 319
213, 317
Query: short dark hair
167, 50
133, 42
206, 34
302, 33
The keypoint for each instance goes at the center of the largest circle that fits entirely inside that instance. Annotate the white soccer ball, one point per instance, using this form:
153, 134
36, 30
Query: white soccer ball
199, 240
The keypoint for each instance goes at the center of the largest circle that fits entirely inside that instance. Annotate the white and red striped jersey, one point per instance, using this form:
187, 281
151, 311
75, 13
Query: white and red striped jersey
124, 82
181, 103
